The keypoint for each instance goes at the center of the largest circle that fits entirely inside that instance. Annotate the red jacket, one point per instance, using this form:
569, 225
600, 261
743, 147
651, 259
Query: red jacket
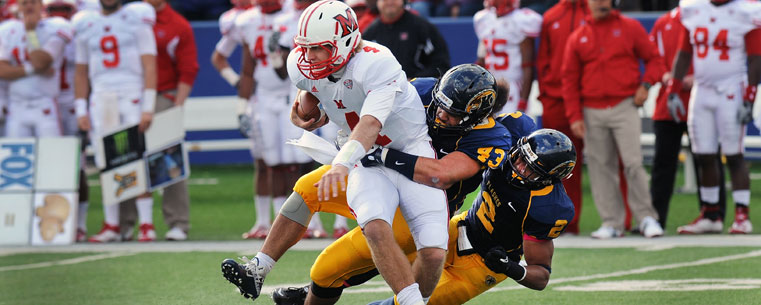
601, 63
176, 59
557, 24
666, 34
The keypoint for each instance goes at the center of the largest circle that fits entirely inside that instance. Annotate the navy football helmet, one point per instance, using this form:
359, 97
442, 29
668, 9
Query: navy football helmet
467, 91
542, 158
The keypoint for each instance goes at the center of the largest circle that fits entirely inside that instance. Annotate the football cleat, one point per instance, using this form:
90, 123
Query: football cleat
315, 233
338, 232
248, 277
742, 224
81, 236
650, 227
290, 295
605, 232
108, 233
701, 225
257, 232
147, 233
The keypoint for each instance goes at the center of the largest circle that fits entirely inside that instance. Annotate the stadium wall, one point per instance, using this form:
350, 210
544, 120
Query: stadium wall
211, 122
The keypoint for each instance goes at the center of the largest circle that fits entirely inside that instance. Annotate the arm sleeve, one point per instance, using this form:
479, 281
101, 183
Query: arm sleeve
381, 81
572, 82
753, 42
54, 47
226, 46
647, 51
437, 60
187, 56
81, 53
146, 42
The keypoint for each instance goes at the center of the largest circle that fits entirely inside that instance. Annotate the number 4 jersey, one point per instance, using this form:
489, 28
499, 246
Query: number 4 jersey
112, 44
717, 35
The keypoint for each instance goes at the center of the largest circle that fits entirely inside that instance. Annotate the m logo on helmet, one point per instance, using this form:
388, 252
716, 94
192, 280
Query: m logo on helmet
348, 23
484, 98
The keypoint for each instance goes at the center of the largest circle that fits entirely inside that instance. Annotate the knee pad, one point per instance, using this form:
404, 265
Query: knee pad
296, 209
326, 292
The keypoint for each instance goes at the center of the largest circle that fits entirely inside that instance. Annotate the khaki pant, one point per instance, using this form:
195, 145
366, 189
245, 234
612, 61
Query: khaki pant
612, 133
176, 202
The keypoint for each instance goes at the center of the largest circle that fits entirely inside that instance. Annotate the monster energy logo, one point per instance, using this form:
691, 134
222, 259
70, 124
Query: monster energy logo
121, 142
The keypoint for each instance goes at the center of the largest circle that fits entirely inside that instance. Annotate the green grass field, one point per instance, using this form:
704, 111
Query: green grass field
582, 274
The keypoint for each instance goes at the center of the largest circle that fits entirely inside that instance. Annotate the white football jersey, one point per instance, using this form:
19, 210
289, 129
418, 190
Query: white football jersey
372, 68
717, 35
15, 51
502, 36
68, 67
110, 44
256, 29
231, 36
84, 5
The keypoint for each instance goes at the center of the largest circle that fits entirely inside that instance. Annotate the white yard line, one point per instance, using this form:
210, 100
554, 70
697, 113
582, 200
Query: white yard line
70, 261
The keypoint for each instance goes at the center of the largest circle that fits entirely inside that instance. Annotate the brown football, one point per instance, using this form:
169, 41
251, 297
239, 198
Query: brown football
308, 106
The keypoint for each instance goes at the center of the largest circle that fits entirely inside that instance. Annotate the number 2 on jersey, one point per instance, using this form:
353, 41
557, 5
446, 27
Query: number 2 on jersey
109, 45
487, 212
719, 43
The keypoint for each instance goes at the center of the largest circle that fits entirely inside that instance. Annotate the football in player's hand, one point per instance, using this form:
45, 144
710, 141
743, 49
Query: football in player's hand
308, 106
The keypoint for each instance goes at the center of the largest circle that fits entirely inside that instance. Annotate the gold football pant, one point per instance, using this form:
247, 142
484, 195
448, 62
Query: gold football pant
464, 277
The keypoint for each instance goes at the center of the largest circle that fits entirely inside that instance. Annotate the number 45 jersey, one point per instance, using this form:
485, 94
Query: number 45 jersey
718, 38
112, 44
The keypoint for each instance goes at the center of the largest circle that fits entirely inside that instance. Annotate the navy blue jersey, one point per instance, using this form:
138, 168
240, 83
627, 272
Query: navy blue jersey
487, 143
502, 214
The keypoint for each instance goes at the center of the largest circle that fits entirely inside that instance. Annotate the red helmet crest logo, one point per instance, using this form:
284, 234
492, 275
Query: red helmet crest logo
348, 23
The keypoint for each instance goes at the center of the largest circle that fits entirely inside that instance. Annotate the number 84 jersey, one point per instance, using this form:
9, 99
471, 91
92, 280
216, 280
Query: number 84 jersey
717, 34
111, 45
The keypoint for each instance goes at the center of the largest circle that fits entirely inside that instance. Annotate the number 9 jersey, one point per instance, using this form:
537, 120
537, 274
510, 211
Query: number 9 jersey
112, 44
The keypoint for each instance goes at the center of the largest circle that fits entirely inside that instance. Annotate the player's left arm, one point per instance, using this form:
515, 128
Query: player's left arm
146, 46
527, 67
538, 255
753, 48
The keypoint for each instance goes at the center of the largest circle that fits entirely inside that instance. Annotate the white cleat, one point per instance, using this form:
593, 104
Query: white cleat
650, 227
107, 234
702, 226
605, 232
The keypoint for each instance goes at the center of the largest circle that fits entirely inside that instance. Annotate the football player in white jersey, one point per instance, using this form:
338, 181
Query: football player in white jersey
723, 40
116, 69
362, 88
66, 109
32, 49
230, 40
286, 25
506, 37
278, 165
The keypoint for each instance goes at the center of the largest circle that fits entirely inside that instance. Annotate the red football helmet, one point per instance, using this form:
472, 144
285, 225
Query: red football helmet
242, 4
60, 8
503, 6
332, 26
269, 6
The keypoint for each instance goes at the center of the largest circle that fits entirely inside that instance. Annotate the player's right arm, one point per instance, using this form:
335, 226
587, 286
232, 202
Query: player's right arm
225, 47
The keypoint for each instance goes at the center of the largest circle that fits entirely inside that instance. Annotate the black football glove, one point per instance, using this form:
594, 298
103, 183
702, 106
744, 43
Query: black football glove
745, 113
496, 259
374, 158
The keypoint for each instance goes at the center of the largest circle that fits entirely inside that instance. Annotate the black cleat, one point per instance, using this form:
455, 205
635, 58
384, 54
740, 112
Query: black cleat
245, 277
290, 295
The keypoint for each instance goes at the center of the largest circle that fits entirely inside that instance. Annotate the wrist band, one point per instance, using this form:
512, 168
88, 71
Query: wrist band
350, 154
230, 76
28, 68
80, 107
241, 105
32, 41
149, 100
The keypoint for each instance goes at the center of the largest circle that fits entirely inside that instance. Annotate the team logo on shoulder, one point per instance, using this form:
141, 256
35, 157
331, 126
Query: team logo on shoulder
349, 83
348, 23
